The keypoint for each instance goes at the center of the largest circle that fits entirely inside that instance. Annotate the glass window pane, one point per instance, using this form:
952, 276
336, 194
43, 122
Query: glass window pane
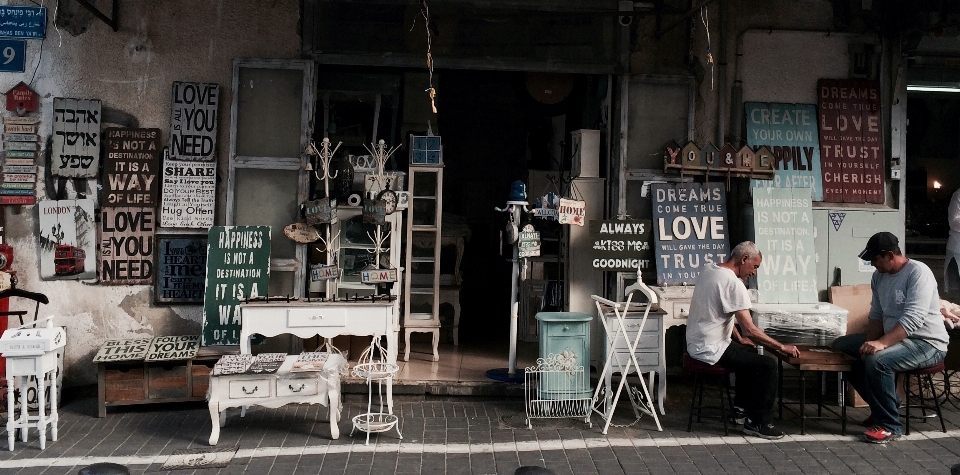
658, 114
281, 283
269, 109
268, 197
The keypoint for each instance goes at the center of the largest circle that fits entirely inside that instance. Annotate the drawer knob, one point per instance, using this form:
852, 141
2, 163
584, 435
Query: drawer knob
566, 328
316, 317
296, 389
245, 391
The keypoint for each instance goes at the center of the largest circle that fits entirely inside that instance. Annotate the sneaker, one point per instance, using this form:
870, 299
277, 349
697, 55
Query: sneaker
879, 435
765, 431
739, 416
869, 422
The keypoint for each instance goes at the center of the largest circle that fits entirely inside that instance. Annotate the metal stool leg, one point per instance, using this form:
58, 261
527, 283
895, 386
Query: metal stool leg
697, 386
723, 413
936, 403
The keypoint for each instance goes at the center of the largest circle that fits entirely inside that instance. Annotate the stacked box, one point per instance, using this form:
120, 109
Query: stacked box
20, 146
815, 324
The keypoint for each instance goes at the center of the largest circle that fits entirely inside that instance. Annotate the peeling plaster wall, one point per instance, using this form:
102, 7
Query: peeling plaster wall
132, 71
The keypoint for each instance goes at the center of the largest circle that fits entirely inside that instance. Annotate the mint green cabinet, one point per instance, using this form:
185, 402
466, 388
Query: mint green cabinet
565, 342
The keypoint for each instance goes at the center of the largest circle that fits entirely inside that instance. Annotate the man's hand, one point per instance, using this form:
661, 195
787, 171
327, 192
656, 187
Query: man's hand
746, 341
790, 350
871, 347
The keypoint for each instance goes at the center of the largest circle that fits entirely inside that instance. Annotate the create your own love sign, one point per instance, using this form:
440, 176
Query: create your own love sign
238, 268
690, 229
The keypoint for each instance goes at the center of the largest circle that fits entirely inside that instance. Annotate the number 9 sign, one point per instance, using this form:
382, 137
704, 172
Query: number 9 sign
13, 55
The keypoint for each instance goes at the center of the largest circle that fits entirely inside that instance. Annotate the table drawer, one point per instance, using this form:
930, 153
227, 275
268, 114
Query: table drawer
648, 360
316, 317
633, 324
249, 389
566, 329
649, 340
297, 387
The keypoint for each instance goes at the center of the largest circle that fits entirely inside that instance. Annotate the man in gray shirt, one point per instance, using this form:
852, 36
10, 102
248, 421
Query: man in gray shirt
905, 331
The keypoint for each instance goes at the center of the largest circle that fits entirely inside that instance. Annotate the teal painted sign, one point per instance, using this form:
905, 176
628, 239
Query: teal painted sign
790, 132
238, 268
783, 224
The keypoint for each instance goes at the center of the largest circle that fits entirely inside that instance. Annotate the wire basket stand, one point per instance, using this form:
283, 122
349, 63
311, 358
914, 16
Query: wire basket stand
372, 366
553, 389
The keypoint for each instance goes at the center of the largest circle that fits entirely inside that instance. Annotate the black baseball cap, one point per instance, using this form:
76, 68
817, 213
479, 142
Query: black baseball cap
879, 243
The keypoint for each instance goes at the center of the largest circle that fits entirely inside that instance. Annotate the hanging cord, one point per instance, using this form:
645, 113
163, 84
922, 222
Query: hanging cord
431, 91
705, 19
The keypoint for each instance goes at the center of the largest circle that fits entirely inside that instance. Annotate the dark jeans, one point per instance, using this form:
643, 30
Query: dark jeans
756, 381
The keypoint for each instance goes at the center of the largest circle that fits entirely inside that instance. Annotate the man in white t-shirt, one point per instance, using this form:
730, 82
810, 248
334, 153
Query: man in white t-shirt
719, 301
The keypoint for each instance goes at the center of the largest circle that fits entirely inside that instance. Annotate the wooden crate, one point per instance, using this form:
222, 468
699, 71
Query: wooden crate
167, 380
139, 382
123, 383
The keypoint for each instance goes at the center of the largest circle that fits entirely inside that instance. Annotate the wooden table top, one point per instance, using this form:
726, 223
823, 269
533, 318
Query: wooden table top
816, 358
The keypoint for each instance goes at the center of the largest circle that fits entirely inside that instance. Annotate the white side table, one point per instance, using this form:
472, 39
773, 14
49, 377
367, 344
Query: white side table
275, 390
23, 368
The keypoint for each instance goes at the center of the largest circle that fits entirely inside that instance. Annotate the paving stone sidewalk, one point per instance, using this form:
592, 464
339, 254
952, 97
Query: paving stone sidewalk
472, 436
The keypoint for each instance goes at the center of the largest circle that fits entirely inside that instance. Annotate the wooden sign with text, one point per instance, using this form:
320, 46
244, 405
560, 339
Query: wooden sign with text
238, 268
193, 121
790, 132
783, 225
131, 165
189, 194
621, 245
690, 229
851, 140
76, 138
126, 246
181, 269
67, 239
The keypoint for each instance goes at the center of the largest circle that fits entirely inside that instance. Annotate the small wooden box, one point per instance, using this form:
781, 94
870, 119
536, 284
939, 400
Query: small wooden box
124, 383
167, 380
200, 373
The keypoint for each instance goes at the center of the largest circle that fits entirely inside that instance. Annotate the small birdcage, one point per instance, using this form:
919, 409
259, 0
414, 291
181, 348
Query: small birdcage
552, 390
372, 366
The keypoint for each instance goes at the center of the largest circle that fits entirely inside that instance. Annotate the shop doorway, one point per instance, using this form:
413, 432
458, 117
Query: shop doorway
494, 131
931, 177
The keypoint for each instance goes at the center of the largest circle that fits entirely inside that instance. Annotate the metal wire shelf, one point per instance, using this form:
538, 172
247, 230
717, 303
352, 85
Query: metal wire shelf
556, 389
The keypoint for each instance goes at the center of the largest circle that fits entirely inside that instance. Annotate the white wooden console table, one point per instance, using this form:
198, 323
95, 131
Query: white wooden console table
326, 319
275, 390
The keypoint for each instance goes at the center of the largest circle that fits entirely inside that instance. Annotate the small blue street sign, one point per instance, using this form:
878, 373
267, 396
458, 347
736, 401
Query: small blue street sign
23, 22
13, 55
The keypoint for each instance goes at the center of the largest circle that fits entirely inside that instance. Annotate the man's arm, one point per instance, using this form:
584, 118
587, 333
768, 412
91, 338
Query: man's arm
757, 336
894, 336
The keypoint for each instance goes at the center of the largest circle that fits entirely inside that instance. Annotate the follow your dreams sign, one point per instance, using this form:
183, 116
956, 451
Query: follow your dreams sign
690, 229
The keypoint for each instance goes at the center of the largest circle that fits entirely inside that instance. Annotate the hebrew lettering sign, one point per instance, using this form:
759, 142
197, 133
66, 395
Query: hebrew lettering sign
76, 138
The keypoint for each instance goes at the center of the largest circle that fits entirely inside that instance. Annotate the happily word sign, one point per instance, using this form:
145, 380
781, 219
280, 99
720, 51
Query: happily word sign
783, 223
789, 131
181, 269
238, 267
850, 140
131, 167
76, 138
126, 246
193, 121
621, 246
690, 229
189, 194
